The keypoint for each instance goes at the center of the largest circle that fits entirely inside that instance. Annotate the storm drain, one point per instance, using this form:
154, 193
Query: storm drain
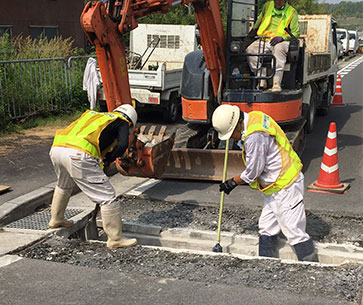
39, 220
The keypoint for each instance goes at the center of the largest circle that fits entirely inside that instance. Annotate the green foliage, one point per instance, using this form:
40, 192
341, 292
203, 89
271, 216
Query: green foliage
346, 9
348, 14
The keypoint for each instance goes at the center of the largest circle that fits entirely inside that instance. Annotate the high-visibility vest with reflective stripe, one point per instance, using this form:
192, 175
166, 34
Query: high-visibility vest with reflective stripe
283, 23
291, 163
84, 133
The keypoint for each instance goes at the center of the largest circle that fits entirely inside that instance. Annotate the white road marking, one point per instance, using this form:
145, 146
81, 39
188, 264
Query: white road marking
143, 187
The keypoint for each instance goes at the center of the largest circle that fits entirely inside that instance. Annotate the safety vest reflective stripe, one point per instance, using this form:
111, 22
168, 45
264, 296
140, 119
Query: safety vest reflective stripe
283, 23
291, 164
84, 133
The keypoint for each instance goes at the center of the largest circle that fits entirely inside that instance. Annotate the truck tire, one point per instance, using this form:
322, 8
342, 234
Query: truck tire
172, 109
310, 112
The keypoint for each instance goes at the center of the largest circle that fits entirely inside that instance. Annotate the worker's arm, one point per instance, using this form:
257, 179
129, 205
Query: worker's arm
294, 27
255, 154
121, 133
260, 16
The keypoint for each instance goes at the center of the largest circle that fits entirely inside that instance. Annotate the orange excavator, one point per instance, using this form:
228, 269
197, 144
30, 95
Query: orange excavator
219, 73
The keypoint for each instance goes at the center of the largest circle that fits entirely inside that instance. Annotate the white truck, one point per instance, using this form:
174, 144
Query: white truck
156, 58
320, 63
353, 41
343, 35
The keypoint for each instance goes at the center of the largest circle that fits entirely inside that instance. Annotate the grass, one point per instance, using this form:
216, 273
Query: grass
60, 121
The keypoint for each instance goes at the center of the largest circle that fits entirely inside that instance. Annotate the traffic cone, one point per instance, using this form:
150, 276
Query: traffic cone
338, 97
328, 180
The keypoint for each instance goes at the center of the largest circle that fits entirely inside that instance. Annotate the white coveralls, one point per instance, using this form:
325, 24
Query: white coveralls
283, 210
280, 51
76, 167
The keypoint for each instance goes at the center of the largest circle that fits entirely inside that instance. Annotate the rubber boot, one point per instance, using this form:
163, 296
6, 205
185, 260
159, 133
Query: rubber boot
277, 81
305, 251
267, 246
59, 205
112, 225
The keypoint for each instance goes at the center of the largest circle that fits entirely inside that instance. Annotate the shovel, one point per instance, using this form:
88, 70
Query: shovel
218, 247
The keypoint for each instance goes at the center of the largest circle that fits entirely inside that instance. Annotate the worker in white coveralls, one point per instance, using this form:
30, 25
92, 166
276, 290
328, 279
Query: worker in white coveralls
273, 168
79, 152
270, 25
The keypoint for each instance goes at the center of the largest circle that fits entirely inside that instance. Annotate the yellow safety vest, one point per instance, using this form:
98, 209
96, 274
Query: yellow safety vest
84, 133
283, 23
291, 164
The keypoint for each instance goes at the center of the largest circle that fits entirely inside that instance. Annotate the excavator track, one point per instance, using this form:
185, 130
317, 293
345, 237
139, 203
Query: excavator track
189, 136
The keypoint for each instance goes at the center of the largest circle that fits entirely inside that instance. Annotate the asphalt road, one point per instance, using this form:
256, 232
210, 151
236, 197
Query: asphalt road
56, 283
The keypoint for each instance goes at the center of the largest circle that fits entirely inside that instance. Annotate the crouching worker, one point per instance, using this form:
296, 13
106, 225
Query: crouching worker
273, 168
79, 152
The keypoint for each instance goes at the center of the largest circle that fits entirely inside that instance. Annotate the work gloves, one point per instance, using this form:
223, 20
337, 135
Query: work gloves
227, 186
274, 41
106, 163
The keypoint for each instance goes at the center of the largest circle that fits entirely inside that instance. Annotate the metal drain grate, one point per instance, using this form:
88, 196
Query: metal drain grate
39, 221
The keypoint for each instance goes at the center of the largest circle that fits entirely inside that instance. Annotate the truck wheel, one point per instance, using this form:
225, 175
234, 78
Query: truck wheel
172, 109
310, 111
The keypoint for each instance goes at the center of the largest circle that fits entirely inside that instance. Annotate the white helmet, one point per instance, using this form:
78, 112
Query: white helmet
129, 112
225, 119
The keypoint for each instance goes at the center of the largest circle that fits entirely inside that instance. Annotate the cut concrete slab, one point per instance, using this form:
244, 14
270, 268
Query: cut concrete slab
10, 241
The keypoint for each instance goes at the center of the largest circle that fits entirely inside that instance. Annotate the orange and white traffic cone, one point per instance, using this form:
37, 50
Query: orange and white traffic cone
328, 180
338, 96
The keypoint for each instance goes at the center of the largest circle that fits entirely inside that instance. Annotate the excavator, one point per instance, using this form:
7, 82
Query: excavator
219, 73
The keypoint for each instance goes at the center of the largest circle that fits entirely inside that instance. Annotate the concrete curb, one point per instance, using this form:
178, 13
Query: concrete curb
180, 238
24, 205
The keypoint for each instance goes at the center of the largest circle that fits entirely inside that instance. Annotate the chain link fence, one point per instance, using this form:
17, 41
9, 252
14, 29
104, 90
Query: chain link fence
33, 86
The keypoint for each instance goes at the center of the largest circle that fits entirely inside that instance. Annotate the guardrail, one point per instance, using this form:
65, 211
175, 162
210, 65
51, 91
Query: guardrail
33, 86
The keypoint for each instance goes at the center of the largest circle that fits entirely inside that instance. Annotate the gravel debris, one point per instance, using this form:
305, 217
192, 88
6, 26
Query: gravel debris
321, 226
342, 282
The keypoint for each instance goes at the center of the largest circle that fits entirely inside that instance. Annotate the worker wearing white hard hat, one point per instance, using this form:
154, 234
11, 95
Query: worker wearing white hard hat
79, 153
273, 168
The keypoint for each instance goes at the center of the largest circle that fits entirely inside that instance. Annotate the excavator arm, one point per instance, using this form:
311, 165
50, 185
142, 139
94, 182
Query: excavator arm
105, 23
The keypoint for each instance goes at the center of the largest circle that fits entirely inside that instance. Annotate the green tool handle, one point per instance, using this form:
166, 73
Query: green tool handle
222, 193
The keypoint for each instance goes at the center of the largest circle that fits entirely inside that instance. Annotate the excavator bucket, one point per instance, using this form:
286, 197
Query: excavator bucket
148, 153
202, 164
151, 154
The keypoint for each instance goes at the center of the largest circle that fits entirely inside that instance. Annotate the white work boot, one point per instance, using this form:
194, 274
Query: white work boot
59, 205
112, 225
263, 82
277, 81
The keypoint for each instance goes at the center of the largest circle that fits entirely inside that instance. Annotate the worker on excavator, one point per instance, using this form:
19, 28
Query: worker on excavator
270, 26
79, 152
273, 168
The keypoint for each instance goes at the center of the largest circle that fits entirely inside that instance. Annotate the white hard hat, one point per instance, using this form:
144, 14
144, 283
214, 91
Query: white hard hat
129, 112
224, 120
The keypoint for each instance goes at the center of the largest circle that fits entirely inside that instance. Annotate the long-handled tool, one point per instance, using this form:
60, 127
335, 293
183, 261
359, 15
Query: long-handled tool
218, 247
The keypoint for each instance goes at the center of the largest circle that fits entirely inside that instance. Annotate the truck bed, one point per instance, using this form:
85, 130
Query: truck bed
161, 79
